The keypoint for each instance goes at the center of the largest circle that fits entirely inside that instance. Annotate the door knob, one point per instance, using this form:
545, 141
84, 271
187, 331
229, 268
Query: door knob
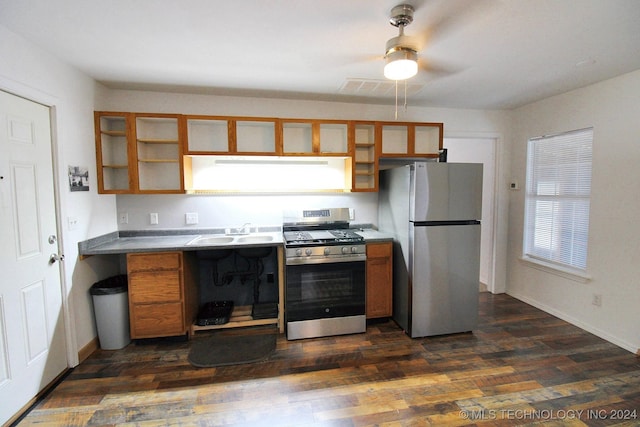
55, 257
52, 239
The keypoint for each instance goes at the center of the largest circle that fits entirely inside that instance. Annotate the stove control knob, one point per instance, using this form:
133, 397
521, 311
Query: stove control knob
327, 251
354, 249
298, 252
345, 250
308, 251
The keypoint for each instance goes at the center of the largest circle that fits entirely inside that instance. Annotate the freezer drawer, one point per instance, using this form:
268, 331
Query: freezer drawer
444, 279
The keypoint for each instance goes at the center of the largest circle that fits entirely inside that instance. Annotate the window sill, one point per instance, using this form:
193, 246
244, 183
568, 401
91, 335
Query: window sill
567, 273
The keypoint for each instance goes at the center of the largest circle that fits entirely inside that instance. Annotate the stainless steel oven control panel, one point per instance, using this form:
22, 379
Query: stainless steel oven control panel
325, 254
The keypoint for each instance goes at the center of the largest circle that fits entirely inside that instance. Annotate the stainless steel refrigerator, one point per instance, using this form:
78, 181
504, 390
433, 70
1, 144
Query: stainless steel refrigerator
433, 211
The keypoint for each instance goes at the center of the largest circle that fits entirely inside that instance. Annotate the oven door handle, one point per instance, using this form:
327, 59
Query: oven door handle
324, 260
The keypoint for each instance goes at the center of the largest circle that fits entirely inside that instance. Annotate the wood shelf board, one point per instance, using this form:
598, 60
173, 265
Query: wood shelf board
114, 132
115, 166
158, 160
158, 141
240, 317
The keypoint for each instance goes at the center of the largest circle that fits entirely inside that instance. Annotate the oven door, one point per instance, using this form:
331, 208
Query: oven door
326, 290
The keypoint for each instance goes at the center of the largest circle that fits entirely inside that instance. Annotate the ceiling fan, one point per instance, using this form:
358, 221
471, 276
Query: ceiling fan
401, 53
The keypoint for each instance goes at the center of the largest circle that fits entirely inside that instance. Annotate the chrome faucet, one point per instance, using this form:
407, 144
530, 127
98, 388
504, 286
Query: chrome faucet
244, 229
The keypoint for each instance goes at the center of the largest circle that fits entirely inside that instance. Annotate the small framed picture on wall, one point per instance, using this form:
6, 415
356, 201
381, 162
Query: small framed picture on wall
78, 178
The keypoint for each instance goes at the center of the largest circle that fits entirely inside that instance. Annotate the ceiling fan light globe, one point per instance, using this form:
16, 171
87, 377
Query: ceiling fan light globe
401, 65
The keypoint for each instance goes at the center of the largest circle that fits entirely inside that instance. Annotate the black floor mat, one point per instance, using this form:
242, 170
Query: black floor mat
222, 350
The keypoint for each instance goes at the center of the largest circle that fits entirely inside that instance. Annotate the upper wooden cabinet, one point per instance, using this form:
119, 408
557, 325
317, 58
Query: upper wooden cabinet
373, 141
301, 137
232, 135
410, 139
138, 153
159, 153
155, 153
113, 151
365, 160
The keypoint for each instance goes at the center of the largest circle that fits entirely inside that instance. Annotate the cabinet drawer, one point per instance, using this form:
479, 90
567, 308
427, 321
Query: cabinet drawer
155, 286
377, 250
156, 320
157, 261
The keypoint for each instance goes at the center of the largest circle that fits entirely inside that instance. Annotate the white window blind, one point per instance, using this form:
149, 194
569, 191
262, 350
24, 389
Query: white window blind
558, 194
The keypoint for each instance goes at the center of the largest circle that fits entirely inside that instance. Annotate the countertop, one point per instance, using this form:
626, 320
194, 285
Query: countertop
178, 240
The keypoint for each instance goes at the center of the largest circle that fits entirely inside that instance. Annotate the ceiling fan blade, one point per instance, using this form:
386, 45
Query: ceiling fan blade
442, 19
437, 69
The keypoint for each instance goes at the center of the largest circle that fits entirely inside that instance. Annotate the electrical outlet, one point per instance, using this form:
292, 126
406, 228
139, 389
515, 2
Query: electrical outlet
153, 218
597, 300
352, 214
124, 218
191, 218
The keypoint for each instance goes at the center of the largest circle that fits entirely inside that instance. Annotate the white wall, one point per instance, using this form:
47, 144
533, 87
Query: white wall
480, 150
28, 71
612, 107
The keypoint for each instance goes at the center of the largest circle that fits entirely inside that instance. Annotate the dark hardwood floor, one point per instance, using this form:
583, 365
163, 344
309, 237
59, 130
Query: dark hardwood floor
520, 367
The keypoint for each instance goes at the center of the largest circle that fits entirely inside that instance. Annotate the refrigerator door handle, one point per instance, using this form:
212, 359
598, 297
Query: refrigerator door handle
441, 223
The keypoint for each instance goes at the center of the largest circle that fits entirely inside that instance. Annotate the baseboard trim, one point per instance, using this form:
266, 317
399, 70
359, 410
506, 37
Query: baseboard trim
88, 350
580, 324
22, 412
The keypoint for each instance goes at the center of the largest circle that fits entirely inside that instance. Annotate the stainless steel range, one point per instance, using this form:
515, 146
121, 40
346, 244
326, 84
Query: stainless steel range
324, 274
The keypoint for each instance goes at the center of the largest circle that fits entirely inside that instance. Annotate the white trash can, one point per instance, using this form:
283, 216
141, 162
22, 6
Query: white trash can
111, 308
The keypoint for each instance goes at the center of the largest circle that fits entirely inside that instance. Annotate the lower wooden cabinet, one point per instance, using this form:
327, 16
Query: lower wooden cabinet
163, 298
379, 280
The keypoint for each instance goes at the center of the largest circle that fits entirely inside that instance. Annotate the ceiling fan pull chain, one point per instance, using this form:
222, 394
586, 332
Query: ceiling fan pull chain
396, 115
405, 96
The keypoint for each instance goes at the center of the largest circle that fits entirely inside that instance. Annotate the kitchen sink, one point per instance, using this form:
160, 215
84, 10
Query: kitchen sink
210, 240
255, 239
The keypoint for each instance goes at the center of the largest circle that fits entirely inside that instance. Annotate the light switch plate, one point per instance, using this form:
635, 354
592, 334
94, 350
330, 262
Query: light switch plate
72, 221
191, 218
153, 218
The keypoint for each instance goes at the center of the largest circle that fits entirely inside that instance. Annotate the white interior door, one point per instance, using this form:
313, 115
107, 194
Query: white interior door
480, 150
32, 340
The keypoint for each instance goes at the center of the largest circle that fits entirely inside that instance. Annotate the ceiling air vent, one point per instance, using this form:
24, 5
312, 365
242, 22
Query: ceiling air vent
377, 88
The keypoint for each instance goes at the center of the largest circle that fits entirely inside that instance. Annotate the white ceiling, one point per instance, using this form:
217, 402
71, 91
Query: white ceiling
485, 53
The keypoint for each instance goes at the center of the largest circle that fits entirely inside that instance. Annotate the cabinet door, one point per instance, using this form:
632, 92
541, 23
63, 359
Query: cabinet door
379, 280
157, 320
113, 152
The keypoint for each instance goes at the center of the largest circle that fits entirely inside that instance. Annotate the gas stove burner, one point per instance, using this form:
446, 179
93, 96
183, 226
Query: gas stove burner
319, 227
321, 237
346, 235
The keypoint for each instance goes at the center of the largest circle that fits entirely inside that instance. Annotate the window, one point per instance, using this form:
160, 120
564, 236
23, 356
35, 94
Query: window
557, 199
